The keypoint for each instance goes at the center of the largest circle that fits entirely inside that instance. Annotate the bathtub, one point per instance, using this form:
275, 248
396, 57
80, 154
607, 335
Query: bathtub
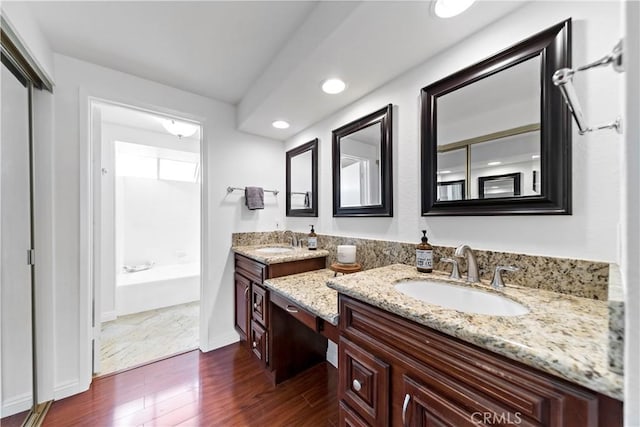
160, 286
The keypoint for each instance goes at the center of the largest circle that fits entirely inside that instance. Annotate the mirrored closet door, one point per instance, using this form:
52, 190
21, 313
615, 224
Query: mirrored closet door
16, 242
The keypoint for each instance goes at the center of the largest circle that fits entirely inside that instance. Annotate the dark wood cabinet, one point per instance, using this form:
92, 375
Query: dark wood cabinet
259, 305
242, 288
410, 375
282, 345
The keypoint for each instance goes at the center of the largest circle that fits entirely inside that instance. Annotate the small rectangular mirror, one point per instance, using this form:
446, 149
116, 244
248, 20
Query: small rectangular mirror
302, 180
362, 166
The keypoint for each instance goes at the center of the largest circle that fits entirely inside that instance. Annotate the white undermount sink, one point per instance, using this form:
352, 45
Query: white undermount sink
274, 250
461, 298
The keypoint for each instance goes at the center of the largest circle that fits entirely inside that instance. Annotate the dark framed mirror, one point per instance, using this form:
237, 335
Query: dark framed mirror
302, 180
362, 176
498, 118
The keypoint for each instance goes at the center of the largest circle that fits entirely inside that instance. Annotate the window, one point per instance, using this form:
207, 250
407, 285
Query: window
136, 166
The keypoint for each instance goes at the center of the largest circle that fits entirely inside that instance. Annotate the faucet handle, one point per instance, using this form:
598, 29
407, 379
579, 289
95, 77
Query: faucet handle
497, 282
455, 271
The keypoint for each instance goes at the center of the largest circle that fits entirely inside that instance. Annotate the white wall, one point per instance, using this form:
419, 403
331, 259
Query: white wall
231, 157
590, 233
160, 221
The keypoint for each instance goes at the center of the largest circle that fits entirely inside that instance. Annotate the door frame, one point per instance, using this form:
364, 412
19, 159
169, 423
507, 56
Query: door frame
89, 156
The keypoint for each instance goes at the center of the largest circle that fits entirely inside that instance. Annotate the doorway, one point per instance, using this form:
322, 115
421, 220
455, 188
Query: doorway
146, 236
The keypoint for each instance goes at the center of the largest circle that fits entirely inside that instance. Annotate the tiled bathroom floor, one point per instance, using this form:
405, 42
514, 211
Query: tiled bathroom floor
138, 338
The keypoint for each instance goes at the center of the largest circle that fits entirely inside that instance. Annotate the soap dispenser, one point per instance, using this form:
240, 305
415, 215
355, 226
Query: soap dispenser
424, 255
312, 241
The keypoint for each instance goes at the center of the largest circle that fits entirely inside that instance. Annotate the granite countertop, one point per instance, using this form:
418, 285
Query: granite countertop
562, 335
310, 291
296, 254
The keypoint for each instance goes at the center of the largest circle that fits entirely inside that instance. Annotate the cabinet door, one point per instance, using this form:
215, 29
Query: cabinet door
259, 341
422, 407
259, 304
363, 383
243, 287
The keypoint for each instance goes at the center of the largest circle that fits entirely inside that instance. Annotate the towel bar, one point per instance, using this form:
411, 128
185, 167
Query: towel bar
232, 189
563, 78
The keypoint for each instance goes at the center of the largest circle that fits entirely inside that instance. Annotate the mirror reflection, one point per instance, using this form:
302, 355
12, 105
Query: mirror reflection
361, 163
360, 167
301, 194
487, 129
302, 180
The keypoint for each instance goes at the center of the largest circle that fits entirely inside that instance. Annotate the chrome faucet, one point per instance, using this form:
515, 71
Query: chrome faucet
294, 239
473, 275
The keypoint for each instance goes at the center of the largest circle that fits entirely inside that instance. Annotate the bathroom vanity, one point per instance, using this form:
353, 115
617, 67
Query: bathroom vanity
282, 346
404, 362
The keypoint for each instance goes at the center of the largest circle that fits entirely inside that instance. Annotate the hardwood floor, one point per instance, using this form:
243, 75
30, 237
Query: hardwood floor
225, 387
14, 420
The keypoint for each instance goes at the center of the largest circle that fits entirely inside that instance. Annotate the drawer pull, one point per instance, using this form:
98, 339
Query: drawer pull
405, 405
356, 385
246, 292
292, 309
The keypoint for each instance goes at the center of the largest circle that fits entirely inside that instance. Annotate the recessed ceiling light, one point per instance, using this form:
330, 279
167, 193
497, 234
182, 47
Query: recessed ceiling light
280, 124
444, 172
450, 8
535, 156
494, 163
333, 86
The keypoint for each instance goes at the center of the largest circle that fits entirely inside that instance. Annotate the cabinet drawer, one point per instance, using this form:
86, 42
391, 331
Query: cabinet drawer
348, 418
259, 305
295, 310
363, 383
259, 341
251, 269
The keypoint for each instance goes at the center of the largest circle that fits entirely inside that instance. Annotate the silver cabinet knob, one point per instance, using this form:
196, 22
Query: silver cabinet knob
255, 305
356, 385
254, 344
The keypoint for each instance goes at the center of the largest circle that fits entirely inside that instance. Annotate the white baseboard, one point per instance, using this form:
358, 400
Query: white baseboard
67, 389
220, 341
17, 404
332, 353
107, 316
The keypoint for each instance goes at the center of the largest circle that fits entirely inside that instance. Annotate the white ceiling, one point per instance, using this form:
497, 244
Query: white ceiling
267, 57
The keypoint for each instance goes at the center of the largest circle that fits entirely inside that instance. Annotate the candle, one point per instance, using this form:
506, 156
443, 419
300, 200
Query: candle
346, 254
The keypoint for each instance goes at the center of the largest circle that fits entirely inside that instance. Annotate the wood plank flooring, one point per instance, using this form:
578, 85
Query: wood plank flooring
225, 387
14, 420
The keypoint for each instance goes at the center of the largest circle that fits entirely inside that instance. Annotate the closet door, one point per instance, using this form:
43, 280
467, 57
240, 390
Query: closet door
15, 236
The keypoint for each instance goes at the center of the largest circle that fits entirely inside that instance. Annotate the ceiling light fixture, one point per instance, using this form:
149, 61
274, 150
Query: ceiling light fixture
443, 172
333, 86
451, 8
494, 163
535, 156
179, 129
280, 124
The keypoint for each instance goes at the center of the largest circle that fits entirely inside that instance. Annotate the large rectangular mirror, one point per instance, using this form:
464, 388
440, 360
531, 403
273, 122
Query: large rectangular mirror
302, 180
362, 166
495, 136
